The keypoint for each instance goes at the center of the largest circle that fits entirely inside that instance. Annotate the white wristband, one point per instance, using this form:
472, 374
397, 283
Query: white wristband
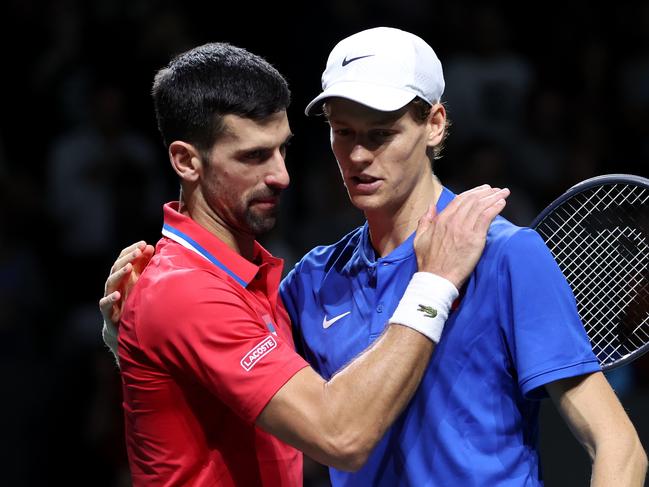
425, 304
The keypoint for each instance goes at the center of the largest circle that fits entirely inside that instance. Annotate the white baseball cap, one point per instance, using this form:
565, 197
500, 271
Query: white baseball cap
384, 68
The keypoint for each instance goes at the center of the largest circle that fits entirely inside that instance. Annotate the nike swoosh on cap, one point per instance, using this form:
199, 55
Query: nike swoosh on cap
347, 61
327, 323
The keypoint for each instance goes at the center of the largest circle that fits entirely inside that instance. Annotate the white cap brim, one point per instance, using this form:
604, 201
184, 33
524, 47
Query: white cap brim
378, 97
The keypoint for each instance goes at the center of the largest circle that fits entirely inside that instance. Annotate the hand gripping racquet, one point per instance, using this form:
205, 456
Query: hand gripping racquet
598, 232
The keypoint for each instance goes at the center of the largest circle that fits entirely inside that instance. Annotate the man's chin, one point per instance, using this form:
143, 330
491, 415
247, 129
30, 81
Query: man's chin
261, 224
365, 202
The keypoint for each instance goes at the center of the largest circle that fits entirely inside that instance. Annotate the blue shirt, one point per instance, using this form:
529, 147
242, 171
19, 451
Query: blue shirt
474, 417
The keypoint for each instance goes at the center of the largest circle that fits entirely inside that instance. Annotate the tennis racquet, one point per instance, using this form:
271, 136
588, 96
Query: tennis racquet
598, 232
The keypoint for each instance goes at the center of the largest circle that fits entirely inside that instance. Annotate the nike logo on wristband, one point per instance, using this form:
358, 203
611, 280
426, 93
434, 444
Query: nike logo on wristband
327, 323
347, 61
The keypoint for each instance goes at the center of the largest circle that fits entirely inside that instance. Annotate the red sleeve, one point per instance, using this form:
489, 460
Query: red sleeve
204, 328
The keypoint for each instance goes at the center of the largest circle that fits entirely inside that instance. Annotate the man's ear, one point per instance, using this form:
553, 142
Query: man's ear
436, 124
186, 160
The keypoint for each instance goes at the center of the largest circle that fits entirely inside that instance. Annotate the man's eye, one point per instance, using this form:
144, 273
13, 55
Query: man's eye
381, 134
283, 148
253, 155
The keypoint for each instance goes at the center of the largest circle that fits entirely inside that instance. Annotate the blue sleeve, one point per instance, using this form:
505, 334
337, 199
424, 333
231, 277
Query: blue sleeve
544, 332
288, 291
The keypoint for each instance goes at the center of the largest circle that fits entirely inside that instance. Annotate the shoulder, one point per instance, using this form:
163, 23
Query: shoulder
505, 238
179, 289
310, 271
324, 256
512, 248
518, 256
182, 273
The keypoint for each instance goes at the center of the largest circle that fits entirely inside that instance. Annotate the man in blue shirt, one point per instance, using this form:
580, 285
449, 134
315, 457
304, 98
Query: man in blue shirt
514, 335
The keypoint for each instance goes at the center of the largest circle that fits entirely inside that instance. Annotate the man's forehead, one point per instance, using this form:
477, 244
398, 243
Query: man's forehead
239, 129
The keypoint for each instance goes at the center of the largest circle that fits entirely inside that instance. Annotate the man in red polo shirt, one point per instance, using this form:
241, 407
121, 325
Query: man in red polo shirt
214, 393
203, 347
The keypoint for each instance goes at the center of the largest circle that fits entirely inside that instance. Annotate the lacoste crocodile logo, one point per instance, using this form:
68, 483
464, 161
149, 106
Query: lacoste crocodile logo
429, 311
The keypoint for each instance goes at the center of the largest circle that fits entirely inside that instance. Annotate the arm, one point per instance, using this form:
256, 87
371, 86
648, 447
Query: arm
123, 274
594, 414
339, 422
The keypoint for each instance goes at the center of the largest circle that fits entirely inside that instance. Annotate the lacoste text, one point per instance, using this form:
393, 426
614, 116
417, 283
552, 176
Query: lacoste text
258, 352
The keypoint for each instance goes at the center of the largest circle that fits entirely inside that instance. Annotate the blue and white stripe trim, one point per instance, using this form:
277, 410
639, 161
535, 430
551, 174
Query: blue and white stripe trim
189, 243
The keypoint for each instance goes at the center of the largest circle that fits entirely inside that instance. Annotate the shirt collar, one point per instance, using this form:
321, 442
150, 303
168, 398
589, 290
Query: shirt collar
406, 249
191, 235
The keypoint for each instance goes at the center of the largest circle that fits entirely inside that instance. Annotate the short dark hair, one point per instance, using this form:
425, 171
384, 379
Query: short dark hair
193, 93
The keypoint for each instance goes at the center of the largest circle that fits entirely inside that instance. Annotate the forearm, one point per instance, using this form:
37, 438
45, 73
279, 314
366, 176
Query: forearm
621, 464
337, 423
598, 421
365, 397
340, 421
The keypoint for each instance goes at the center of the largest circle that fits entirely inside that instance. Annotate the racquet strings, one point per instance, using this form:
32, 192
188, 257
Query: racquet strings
600, 239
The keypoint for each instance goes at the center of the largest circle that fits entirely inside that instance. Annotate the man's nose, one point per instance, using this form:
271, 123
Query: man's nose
277, 176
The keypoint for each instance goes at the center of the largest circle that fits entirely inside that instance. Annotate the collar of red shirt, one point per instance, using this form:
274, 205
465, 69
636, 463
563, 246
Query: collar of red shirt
191, 235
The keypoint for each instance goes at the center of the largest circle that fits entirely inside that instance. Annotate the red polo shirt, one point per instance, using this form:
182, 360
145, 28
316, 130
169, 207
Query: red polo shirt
204, 344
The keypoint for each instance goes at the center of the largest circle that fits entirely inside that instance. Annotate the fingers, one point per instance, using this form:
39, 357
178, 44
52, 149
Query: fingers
472, 205
124, 267
137, 245
426, 220
482, 187
450, 244
463, 202
125, 259
142, 260
432, 211
115, 279
128, 254
468, 205
122, 277
492, 206
106, 306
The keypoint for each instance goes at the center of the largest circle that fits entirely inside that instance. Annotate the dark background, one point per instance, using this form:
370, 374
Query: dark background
540, 98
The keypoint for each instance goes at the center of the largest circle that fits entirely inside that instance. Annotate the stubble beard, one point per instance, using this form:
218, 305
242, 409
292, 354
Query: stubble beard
258, 223
261, 221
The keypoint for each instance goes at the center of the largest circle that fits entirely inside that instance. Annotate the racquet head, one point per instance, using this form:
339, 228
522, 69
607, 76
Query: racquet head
598, 232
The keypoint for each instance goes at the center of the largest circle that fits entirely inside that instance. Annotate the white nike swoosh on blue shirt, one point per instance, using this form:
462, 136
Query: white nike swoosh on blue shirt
327, 323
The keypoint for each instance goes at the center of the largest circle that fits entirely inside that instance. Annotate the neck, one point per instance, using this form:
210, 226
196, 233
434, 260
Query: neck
390, 227
241, 243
